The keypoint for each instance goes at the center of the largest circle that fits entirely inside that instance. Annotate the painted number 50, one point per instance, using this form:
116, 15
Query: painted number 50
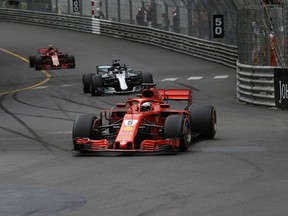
218, 25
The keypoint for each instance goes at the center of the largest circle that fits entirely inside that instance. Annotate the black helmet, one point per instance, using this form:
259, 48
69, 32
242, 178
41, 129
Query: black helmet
146, 106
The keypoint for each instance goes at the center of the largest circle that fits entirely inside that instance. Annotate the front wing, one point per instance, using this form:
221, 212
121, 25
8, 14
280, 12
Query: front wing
48, 67
111, 90
103, 145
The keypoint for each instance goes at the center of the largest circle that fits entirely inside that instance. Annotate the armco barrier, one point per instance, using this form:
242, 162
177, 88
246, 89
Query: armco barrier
212, 51
209, 50
255, 84
75, 23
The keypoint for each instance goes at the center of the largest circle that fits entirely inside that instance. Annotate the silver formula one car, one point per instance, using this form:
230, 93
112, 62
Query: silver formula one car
115, 78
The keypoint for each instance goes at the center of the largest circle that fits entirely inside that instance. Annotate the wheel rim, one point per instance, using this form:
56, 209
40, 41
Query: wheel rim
214, 122
187, 135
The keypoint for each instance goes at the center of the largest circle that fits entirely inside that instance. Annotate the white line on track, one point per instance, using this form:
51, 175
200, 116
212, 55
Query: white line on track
195, 78
221, 77
41, 87
66, 85
169, 79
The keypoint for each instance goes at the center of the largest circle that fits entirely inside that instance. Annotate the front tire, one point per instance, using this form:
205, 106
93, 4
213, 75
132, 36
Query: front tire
96, 86
71, 61
86, 81
178, 126
83, 128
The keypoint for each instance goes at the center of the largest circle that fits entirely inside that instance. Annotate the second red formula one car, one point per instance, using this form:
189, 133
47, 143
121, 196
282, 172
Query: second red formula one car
146, 123
51, 58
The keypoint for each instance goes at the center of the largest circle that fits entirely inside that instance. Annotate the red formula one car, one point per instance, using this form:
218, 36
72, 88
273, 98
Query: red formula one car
145, 123
51, 58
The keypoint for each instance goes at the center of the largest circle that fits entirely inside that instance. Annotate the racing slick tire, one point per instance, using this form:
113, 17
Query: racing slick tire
147, 78
96, 85
203, 121
86, 81
178, 126
38, 63
71, 60
83, 128
32, 60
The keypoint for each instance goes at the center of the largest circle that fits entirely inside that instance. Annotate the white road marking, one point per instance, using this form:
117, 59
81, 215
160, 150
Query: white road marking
221, 77
66, 85
41, 87
195, 78
169, 79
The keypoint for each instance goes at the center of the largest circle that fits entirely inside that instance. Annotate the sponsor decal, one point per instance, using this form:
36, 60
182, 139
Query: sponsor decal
283, 91
127, 128
281, 87
130, 122
124, 137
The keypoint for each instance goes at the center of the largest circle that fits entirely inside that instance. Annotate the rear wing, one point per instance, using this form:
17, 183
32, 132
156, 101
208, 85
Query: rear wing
45, 50
176, 94
42, 51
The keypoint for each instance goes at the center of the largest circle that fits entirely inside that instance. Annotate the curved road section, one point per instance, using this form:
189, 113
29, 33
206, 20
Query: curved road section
243, 171
11, 80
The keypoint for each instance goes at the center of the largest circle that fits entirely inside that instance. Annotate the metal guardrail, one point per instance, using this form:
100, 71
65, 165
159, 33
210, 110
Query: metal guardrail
255, 84
76, 23
212, 51
209, 50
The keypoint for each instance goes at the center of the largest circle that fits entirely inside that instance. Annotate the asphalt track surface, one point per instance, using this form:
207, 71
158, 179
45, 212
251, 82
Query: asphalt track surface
243, 171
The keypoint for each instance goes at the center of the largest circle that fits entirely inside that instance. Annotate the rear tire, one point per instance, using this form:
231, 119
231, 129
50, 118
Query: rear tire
147, 78
86, 81
203, 120
32, 60
71, 60
38, 63
96, 85
178, 126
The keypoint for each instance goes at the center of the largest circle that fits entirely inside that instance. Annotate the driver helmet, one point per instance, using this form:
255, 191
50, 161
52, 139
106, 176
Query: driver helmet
116, 66
51, 47
146, 106
116, 71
